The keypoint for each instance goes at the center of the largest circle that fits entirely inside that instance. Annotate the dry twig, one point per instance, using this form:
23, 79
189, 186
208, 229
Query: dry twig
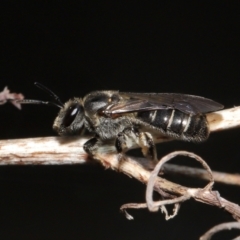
58, 150
220, 227
181, 193
62, 150
221, 177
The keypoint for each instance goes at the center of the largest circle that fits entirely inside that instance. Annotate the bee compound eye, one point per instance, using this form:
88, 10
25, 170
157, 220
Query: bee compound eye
71, 114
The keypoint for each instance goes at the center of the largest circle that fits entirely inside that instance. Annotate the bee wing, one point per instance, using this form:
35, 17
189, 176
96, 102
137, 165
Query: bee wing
132, 105
190, 104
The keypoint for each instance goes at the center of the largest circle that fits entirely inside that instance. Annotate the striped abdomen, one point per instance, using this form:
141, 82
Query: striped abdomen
177, 124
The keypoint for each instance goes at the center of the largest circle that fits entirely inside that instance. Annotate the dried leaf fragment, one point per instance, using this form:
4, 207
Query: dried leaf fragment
6, 96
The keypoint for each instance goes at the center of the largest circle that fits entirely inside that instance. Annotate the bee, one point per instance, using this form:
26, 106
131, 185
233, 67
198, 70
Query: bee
133, 118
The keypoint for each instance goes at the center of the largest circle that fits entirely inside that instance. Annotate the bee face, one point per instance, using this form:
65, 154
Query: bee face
70, 119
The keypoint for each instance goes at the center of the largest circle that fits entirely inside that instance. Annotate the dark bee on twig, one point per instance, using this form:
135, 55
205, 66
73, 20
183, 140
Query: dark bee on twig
126, 118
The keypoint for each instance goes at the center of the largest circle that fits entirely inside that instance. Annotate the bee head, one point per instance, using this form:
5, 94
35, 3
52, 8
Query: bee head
70, 119
71, 116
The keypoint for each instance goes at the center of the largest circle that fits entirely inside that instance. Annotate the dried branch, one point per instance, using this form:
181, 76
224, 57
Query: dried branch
205, 195
59, 150
221, 227
46, 151
221, 177
69, 150
225, 119
134, 169
154, 206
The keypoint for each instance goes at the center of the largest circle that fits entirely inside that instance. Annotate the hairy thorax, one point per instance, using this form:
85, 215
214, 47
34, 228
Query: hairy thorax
108, 128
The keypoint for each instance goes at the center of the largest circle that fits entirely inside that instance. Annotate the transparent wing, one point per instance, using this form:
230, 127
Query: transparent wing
135, 102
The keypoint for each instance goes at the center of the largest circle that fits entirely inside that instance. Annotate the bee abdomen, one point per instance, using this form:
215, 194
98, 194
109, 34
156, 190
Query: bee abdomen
177, 124
197, 130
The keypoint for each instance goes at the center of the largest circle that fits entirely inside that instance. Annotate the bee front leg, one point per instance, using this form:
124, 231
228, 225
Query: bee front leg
90, 146
125, 140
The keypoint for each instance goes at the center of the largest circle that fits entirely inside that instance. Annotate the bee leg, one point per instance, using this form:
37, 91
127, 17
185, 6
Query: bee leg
126, 138
124, 142
90, 145
145, 141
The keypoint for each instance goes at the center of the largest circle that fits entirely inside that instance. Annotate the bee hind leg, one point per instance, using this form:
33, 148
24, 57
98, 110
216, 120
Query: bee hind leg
145, 141
126, 138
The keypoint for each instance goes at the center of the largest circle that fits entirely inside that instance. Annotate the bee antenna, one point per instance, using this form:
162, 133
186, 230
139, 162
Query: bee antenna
51, 93
32, 101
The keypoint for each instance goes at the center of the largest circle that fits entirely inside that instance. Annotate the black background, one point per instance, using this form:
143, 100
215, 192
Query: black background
83, 46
